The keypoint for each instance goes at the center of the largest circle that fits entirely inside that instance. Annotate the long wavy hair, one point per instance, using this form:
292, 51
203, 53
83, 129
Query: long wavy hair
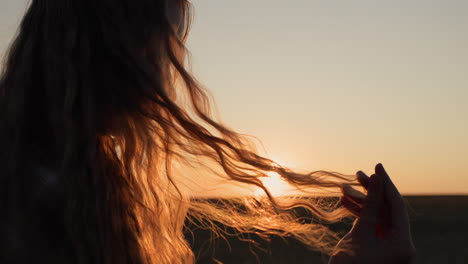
97, 105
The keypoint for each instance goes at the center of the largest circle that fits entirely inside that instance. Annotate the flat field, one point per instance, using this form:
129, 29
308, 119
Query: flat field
439, 227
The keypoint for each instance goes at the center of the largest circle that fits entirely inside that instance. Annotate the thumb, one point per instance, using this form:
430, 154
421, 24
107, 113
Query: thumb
398, 213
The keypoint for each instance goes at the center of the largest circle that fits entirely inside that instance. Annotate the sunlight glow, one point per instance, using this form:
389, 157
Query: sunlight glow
276, 185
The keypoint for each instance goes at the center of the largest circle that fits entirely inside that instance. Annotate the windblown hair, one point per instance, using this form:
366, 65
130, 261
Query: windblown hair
97, 104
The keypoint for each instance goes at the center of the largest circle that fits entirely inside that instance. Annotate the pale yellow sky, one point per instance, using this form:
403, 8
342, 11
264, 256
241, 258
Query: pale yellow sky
338, 85
342, 85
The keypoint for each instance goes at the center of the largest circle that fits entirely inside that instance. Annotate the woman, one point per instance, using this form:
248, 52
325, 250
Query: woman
96, 106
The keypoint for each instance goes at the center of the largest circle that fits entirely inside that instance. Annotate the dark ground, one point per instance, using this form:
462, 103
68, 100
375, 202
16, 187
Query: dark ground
439, 226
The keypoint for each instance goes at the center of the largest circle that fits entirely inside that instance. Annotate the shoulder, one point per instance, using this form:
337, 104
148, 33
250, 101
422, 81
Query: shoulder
37, 232
46, 187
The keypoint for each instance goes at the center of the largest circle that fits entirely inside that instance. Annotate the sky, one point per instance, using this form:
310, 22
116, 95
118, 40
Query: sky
336, 84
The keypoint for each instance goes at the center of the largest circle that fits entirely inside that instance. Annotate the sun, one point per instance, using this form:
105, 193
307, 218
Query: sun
274, 183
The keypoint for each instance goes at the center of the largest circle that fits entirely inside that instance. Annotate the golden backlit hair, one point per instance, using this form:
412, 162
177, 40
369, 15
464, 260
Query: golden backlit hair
99, 92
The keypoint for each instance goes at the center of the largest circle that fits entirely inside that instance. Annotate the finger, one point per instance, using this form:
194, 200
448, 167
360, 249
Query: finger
370, 211
363, 179
351, 206
398, 213
353, 194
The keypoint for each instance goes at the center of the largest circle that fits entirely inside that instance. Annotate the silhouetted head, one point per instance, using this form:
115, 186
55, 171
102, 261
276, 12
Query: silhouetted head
83, 87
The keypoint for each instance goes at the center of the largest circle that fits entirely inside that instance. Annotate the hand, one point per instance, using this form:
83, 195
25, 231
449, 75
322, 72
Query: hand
381, 233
